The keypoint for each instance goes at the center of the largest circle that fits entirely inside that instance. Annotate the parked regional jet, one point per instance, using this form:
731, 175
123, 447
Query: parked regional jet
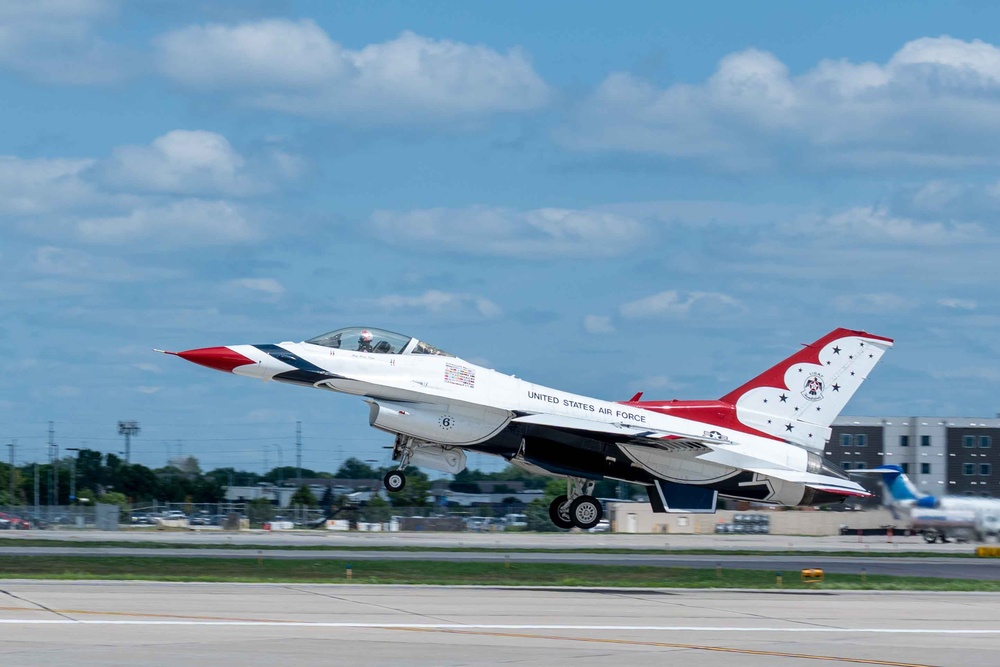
938, 517
761, 442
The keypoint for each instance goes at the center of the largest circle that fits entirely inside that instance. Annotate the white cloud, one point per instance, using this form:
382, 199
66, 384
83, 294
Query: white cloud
934, 103
55, 41
294, 67
598, 324
878, 224
179, 223
268, 286
141, 194
441, 303
538, 233
32, 187
881, 302
680, 305
181, 161
958, 304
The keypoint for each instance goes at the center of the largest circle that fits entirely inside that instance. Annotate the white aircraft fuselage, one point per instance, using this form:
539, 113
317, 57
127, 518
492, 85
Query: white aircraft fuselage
763, 442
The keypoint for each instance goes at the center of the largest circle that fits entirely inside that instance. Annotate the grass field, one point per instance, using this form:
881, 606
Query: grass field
446, 573
29, 542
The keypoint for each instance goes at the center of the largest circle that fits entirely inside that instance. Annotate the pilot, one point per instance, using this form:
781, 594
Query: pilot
365, 341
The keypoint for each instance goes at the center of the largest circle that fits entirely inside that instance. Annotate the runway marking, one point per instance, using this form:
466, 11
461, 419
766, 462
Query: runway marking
697, 647
208, 621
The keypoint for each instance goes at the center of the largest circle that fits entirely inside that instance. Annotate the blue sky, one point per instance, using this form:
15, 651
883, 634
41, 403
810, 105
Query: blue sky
605, 200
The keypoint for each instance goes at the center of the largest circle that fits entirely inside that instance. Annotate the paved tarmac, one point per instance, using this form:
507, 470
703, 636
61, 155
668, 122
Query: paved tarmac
91, 624
502, 540
956, 568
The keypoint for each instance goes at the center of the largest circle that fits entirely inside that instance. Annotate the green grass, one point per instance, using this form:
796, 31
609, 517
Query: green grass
35, 542
446, 573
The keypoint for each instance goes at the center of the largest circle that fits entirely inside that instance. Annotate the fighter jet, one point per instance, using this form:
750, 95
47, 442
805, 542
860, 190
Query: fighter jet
761, 442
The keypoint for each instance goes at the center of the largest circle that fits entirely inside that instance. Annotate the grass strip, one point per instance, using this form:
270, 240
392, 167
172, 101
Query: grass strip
265, 570
856, 553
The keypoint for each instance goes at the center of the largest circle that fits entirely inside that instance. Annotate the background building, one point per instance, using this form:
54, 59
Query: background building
942, 455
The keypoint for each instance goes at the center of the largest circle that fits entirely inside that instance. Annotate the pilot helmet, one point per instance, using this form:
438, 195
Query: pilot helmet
365, 336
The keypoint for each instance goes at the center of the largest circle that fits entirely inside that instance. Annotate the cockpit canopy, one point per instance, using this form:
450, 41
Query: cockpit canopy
379, 341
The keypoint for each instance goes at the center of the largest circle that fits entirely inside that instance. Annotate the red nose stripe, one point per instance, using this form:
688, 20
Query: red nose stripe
219, 358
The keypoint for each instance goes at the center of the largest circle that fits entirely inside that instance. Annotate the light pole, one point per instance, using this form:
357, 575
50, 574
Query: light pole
128, 429
72, 474
12, 444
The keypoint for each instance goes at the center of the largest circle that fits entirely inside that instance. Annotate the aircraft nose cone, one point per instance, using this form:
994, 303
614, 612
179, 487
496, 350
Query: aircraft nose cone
219, 358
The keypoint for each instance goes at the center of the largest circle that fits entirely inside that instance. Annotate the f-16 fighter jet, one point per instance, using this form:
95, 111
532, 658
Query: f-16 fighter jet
762, 442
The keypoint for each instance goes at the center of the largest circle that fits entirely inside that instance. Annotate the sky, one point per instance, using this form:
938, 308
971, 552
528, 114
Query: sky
598, 198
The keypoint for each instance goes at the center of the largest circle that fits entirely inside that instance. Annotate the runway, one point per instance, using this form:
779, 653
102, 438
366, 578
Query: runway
123, 623
955, 568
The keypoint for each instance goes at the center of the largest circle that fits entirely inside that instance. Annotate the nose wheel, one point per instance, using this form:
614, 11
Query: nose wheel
394, 481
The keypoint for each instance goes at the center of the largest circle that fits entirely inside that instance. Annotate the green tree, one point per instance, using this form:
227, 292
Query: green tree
376, 510
115, 498
304, 496
414, 494
260, 510
355, 468
537, 513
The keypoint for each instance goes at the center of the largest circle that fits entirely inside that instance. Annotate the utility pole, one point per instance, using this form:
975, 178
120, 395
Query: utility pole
128, 429
36, 489
12, 445
54, 455
72, 475
298, 452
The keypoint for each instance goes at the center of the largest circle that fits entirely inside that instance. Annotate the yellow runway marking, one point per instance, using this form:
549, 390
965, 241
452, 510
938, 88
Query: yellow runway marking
698, 647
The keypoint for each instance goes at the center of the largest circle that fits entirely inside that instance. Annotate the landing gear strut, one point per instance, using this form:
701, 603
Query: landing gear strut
578, 507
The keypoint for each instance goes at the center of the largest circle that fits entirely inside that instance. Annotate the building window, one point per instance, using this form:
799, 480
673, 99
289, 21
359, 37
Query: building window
846, 439
860, 465
904, 441
968, 468
968, 441
985, 441
861, 440
925, 468
905, 467
925, 441
846, 465
984, 468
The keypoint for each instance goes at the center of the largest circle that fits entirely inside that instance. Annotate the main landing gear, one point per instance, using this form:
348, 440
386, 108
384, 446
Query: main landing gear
577, 508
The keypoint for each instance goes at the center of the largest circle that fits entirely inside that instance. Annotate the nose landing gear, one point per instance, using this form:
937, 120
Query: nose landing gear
394, 480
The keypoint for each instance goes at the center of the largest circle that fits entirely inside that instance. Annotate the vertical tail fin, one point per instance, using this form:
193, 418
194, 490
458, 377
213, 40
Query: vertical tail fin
896, 483
799, 398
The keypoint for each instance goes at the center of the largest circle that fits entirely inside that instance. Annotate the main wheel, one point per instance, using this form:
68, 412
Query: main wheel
585, 512
560, 517
394, 480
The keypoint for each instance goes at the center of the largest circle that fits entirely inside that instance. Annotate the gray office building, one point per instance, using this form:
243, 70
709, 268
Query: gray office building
942, 455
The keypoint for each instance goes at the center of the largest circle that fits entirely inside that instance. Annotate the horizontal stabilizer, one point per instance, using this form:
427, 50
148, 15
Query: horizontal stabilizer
667, 496
844, 487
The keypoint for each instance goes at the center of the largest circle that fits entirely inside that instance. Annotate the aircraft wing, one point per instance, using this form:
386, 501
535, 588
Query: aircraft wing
710, 449
623, 432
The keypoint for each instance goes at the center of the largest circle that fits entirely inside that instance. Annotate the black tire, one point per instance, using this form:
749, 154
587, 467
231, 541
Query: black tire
585, 512
394, 481
561, 520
